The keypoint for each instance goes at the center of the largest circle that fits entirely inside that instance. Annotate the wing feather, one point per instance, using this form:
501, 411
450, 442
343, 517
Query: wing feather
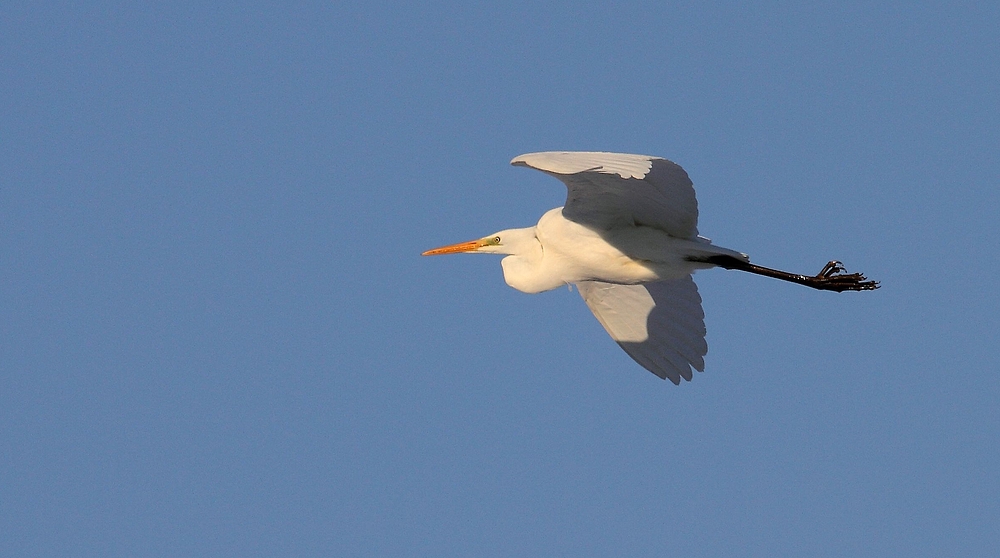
660, 325
607, 190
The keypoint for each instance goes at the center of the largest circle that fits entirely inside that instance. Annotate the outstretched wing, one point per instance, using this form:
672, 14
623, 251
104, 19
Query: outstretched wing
660, 325
608, 190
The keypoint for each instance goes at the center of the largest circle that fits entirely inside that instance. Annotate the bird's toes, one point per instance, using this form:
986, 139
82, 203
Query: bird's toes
834, 278
833, 267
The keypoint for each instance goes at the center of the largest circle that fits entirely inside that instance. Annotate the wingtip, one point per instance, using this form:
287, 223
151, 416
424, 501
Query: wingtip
625, 165
523, 159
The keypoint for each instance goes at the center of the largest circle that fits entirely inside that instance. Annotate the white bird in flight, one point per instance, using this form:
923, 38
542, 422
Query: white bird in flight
628, 239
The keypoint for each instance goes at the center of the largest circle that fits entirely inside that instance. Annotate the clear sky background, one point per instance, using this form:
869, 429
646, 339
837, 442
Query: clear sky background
217, 336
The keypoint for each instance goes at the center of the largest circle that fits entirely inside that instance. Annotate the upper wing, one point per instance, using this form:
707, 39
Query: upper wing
616, 189
660, 325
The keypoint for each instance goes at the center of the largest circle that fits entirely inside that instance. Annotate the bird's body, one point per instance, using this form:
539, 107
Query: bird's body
558, 251
628, 238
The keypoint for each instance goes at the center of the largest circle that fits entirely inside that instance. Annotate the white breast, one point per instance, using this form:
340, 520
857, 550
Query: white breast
582, 254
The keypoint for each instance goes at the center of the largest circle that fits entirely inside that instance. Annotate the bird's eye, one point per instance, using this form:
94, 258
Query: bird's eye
496, 239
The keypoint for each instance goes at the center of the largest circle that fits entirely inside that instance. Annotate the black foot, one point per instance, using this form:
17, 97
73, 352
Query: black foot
833, 277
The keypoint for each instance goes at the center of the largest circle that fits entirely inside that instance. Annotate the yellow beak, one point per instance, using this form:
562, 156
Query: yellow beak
470, 246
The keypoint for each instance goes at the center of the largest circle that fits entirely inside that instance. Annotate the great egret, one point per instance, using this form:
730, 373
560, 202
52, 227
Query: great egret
628, 239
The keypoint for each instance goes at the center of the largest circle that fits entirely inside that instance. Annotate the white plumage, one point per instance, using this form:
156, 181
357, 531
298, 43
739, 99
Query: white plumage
661, 325
628, 238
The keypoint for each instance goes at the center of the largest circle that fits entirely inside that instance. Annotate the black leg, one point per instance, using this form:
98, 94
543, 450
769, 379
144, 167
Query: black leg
833, 276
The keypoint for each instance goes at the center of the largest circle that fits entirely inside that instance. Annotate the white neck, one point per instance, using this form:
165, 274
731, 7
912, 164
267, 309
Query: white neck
524, 268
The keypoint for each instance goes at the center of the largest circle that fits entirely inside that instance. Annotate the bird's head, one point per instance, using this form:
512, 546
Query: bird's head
510, 241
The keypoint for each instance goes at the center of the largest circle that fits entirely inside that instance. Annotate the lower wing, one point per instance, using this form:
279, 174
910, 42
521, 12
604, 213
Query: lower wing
660, 325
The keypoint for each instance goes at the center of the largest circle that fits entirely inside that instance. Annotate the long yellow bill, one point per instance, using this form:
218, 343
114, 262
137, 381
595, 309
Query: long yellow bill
470, 246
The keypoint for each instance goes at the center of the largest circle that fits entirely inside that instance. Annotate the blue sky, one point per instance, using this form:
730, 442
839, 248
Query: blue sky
218, 337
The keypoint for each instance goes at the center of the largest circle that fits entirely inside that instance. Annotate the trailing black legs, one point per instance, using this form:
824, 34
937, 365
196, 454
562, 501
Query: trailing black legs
833, 276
